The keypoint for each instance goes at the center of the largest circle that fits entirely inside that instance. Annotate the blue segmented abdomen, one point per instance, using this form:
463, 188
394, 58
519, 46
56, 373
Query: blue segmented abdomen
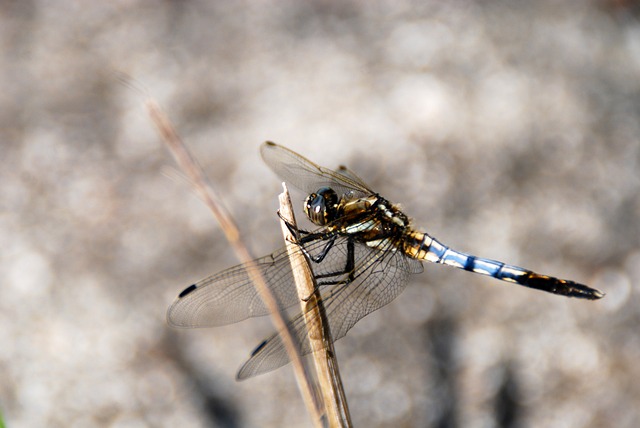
421, 246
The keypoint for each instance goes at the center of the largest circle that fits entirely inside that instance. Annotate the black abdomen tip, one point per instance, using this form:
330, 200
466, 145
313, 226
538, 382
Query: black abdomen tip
560, 286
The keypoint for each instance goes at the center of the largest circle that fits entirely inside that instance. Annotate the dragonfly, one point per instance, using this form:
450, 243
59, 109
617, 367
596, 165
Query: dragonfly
362, 253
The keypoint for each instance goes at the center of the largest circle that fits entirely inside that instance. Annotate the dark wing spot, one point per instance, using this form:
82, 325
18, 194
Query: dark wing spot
187, 290
260, 346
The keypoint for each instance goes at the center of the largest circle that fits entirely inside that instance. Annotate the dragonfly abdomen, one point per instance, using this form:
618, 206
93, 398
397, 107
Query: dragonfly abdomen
421, 246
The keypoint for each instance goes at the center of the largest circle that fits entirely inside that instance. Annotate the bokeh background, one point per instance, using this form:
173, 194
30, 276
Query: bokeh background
508, 129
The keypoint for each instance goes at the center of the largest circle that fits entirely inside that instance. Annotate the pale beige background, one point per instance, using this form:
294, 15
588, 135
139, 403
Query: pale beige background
508, 129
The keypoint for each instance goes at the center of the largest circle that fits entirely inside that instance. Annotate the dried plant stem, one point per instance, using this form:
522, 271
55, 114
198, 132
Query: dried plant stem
213, 201
319, 334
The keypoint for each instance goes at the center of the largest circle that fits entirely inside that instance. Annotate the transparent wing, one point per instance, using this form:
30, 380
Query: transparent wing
229, 296
380, 276
344, 170
309, 177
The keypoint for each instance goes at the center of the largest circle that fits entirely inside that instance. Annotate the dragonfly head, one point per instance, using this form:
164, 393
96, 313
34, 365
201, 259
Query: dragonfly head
321, 207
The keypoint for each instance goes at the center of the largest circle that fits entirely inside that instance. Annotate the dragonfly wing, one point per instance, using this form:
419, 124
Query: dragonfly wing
380, 276
347, 172
307, 176
229, 296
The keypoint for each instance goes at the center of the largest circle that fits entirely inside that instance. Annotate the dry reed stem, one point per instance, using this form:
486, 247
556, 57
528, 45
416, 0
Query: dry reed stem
213, 201
317, 325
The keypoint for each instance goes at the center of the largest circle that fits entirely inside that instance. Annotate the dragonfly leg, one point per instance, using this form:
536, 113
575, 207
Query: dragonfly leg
293, 229
351, 260
330, 237
349, 268
320, 257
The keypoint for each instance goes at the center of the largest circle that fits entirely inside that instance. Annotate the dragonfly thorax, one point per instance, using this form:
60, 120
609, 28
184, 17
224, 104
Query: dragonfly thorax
321, 207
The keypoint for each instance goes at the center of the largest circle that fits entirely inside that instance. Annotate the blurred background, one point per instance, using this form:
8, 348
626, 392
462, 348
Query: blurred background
506, 129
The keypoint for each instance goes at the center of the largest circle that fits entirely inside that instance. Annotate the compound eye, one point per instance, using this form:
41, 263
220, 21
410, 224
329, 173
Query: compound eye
315, 209
320, 207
